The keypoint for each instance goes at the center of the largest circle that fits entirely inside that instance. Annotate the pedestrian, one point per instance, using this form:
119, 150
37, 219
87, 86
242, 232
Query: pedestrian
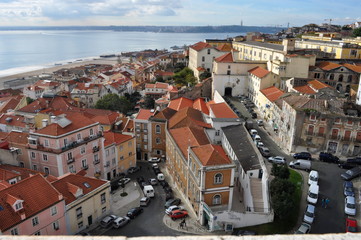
323, 202
326, 202
184, 222
181, 225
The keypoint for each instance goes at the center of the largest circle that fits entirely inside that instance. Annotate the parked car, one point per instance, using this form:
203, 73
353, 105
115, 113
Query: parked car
133, 170
153, 181
132, 213
350, 206
264, 151
254, 115
348, 189
171, 202
328, 157
173, 208
154, 160
108, 220
345, 165
120, 222
356, 161
312, 195
301, 164
277, 159
144, 201
302, 155
155, 165
303, 229
124, 181
178, 214
309, 214
351, 225
313, 177
168, 196
253, 132
260, 122
259, 144
351, 174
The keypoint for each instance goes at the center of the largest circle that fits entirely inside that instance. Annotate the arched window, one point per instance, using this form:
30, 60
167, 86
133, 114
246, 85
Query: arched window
218, 178
157, 129
349, 78
332, 76
217, 199
340, 78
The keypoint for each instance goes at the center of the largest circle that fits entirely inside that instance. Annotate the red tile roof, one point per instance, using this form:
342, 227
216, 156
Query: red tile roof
224, 47
117, 138
201, 105
211, 155
42, 196
352, 67
259, 72
157, 85
187, 117
6, 175
180, 103
56, 103
200, 45
226, 58
145, 114
272, 93
69, 183
305, 89
78, 120
13, 120
165, 114
222, 110
327, 65
315, 84
15, 137
22, 172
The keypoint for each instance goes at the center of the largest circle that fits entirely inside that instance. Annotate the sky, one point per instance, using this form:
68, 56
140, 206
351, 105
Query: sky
177, 12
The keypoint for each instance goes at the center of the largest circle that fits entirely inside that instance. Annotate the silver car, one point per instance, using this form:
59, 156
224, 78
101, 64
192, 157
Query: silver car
303, 229
277, 159
120, 221
309, 214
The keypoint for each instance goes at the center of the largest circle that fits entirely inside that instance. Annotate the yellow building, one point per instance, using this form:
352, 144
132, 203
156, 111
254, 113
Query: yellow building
87, 200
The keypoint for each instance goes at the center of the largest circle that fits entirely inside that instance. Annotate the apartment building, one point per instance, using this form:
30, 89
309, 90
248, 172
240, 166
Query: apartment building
88, 93
68, 144
156, 90
260, 78
36, 90
142, 131
40, 211
87, 200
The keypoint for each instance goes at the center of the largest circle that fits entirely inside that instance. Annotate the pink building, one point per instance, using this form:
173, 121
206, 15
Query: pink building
39, 211
68, 144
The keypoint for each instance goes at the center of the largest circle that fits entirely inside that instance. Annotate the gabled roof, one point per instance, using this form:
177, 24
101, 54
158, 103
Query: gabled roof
352, 67
42, 196
259, 72
10, 103
180, 103
211, 155
56, 103
165, 114
6, 175
226, 58
117, 138
87, 184
224, 47
200, 46
305, 89
145, 114
272, 93
22, 172
187, 117
201, 105
157, 85
13, 120
222, 110
317, 85
15, 137
77, 121
327, 65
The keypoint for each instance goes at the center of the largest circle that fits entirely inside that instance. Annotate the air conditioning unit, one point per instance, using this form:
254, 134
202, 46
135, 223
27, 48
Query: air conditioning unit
13, 149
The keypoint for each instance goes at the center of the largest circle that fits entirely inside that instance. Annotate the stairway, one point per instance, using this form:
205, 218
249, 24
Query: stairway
256, 191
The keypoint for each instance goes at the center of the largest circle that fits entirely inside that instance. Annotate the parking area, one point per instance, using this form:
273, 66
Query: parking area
328, 220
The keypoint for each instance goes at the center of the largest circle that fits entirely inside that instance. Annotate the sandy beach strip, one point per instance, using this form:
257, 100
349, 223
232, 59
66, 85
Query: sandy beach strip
110, 61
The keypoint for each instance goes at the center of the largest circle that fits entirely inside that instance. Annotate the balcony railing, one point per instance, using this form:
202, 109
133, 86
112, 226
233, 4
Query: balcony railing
85, 167
69, 146
70, 160
96, 162
96, 149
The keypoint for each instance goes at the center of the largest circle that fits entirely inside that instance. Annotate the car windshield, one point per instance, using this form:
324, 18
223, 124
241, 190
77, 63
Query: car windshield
313, 195
313, 178
350, 205
309, 214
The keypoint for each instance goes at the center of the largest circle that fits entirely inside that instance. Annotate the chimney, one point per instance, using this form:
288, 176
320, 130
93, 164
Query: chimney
53, 119
45, 122
288, 44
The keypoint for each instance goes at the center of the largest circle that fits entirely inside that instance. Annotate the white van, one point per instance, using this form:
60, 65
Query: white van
313, 177
312, 195
148, 191
301, 164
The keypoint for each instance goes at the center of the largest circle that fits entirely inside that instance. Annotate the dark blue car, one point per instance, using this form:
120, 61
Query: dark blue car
348, 189
302, 155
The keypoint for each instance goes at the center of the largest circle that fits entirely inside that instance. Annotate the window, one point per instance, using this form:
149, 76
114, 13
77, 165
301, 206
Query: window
121, 158
217, 199
32, 155
120, 148
18, 206
37, 233
203, 58
130, 154
46, 142
70, 155
46, 170
53, 211
80, 224
129, 144
79, 213
14, 231
208, 51
228, 72
104, 209
157, 140
312, 117
113, 150
56, 225
82, 150
84, 163
102, 198
91, 132
217, 132
157, 129
35, 167
78, 136
218, 178
45, 157
71, 169
107, 152
21, 164
65, 142
96, 158
35, 221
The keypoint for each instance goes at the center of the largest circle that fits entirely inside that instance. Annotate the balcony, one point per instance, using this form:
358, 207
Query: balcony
85, 167
96, 149
309, 133
69, 146
145, 130
70, 160
96, 162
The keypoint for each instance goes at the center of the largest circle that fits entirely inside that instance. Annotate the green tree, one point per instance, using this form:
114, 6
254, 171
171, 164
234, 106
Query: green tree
114, 103
357, 32
185, 77
280, 171
148, 102
29, 100
204, 75
282, 191
125, 105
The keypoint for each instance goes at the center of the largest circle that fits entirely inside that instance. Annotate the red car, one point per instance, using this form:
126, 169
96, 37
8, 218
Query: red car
178, 214
351, 225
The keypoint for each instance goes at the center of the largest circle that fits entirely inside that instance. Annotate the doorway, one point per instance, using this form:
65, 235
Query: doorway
90, 220
228, 91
